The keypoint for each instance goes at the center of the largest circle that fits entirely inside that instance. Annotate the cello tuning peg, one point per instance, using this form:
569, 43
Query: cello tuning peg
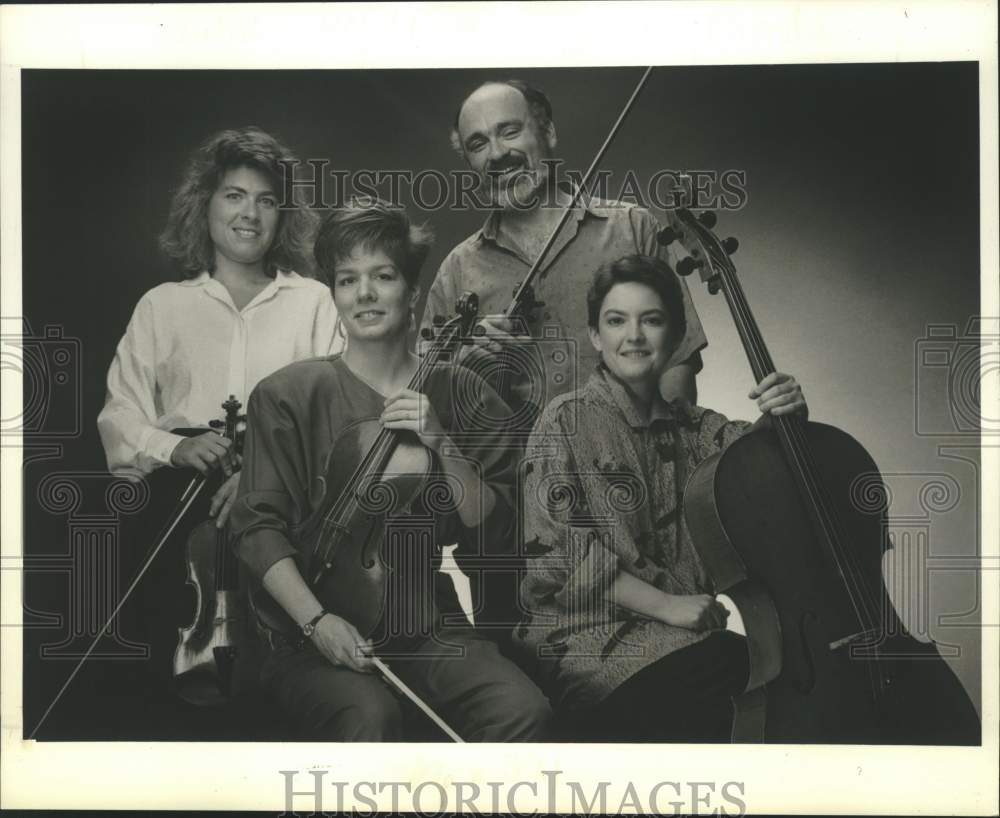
730, 245
688, 265
667, 236
714, 286
708, 218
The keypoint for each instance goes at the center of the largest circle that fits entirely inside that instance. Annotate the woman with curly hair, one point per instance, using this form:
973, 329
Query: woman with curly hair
240, 313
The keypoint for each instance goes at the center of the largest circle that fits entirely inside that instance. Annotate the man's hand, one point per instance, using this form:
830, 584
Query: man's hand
488, 338
697, 612
780, 394
411, 410
339, 641
223, 499
205, 453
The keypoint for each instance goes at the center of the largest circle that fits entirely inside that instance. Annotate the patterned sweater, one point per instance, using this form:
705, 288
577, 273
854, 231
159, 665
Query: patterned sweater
602, 493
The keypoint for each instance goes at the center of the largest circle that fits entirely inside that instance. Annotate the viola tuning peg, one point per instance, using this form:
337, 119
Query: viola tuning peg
708, 219
688, 265
730, 245
667, 236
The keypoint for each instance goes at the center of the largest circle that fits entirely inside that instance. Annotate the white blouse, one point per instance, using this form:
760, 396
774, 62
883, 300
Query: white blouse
187, 349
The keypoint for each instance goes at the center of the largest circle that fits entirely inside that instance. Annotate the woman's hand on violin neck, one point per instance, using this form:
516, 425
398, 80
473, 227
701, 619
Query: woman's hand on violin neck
205, 453
223, 499
697, 612
412, 411
339, 641
780, 394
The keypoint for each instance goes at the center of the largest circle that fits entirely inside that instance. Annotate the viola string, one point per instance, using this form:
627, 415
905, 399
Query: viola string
380, 451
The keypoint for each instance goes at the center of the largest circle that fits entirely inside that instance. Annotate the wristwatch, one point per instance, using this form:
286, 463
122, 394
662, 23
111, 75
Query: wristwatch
310, 627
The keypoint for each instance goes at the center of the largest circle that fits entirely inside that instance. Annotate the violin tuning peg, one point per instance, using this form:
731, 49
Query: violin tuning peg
688, 265
708, 218
427, 333
730, 245
667, 236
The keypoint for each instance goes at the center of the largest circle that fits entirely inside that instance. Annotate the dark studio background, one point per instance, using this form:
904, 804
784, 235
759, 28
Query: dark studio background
861, 229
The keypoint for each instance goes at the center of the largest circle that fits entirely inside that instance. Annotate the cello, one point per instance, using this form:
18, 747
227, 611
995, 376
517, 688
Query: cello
208, 648
778, 523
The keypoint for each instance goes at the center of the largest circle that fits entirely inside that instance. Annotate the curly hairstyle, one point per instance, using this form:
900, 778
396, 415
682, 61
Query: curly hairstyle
375, 225
649, 270
538, 104
186, 239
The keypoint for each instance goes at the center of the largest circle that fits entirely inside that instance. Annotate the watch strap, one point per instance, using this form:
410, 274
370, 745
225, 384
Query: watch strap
310, 626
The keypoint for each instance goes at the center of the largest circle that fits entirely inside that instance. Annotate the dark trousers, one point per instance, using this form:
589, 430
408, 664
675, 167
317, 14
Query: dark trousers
479, 693
684, 697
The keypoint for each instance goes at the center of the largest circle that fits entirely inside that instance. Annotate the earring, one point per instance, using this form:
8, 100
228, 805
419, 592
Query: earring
340, 329
413, 320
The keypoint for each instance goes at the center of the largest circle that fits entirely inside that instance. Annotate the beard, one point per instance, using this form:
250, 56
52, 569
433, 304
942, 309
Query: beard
520, 191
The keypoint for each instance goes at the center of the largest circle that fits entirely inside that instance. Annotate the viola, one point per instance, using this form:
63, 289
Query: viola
776, 522
373, 474
208, 648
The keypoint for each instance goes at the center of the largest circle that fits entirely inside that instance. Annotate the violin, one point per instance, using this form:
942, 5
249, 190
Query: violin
208, 648
775, 520
373, 474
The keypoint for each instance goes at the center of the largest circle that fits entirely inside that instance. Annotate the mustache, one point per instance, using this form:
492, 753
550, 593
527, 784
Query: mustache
505, 163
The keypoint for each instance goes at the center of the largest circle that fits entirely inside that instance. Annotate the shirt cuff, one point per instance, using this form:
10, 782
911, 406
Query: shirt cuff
159, 446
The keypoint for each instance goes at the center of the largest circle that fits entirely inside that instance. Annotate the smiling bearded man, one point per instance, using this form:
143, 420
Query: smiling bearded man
505, 132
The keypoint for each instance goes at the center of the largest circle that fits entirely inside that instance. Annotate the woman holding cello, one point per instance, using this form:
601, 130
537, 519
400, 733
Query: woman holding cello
639, 649
313, 423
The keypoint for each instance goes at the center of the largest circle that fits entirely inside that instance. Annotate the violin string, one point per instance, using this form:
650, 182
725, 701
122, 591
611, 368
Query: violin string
506, 364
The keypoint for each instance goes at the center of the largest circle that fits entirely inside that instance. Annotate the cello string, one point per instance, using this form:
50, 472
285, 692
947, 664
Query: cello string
797, 448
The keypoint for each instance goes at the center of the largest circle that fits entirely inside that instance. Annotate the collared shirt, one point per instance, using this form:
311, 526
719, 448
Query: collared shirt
602, 493
187, 349
598, 232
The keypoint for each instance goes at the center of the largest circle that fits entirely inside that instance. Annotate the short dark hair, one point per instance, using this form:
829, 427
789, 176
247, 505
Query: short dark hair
649, 270
538, 104
186, 239
376, 225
